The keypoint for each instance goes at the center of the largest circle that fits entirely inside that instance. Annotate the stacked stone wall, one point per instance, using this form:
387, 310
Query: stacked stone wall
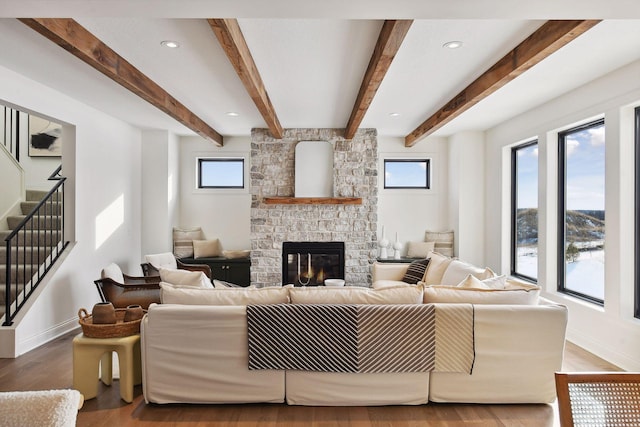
272, 174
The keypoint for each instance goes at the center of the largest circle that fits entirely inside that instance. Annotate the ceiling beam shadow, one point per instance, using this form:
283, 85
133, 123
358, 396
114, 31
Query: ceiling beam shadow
389, 41
235, 46
77, 40
546, 40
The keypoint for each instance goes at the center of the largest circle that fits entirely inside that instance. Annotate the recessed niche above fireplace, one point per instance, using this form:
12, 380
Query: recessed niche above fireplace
310, 263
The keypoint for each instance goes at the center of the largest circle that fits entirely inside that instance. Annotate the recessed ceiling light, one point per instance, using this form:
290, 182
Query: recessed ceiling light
170, 44
394, 114
453, 44
232, 114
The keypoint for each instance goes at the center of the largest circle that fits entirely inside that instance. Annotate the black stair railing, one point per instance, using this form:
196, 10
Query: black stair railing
39, 238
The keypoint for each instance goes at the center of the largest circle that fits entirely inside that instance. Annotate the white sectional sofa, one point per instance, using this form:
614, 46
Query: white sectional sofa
194, 350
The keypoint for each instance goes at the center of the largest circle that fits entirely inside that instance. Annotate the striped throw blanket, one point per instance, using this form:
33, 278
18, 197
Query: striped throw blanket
361, 338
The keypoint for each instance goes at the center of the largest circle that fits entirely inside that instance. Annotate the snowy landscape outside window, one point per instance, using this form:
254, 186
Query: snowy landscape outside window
524, 211
581, 191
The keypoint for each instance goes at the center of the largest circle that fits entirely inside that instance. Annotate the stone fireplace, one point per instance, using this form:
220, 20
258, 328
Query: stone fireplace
355, 174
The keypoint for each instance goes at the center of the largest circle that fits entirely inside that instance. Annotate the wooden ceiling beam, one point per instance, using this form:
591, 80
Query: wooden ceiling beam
235, 46
546, 40
75, 39
389, 41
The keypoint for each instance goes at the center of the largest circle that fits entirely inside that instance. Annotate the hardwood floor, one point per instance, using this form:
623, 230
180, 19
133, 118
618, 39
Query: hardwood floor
50, 367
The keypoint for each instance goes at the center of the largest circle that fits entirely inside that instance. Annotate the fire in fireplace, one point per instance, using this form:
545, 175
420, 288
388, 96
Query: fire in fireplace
310, 263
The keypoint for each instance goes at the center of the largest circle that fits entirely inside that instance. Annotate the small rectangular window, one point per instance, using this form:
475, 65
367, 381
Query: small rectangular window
220, 173
406, 173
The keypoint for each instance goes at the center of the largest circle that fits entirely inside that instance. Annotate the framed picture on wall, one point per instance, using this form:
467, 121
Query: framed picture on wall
44, 137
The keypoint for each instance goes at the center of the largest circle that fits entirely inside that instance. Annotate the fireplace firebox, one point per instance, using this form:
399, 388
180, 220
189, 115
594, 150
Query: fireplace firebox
310, 263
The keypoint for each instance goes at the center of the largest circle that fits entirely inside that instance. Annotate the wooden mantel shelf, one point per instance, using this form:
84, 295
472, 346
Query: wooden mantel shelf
312, 200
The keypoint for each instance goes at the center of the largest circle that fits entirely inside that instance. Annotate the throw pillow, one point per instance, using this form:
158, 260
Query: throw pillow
182, 240
471, 281
244, 253
163, 260
443, 241
416, 271
438, 264
113, 272
419, 249
222, 284
223, 296
458, 270
356, 295
206, 248
185, 278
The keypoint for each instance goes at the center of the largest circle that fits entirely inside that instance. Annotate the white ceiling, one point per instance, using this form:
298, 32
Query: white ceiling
312, 56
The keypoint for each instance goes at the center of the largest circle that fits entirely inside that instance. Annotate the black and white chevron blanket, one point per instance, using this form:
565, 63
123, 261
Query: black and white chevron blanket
361, 338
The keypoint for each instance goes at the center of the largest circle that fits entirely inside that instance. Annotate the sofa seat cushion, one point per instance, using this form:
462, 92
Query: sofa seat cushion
223, 296
356, 295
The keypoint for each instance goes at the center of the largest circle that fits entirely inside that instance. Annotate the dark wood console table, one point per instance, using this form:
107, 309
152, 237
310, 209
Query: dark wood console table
232, 270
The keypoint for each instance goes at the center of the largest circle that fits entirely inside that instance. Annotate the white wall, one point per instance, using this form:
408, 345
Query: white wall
102, 163
160, 185
610, 332
466, 194
411, 212
222, 213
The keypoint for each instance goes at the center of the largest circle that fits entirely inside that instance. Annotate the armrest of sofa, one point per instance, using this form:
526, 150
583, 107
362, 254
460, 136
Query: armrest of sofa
388, 271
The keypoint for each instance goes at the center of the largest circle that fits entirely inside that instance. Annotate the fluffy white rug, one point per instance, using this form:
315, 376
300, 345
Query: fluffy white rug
50, 408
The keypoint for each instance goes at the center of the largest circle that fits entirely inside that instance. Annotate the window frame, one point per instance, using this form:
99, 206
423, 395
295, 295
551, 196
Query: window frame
514, 207
201, 160
636, 260
427, 162
562, 179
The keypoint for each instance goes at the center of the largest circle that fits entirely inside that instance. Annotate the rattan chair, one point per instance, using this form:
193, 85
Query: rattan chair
606, 399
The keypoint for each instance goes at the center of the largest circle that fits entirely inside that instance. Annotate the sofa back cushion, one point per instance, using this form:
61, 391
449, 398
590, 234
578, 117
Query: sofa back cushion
438, 264
225, 296
514, 293
356, 295
458, 270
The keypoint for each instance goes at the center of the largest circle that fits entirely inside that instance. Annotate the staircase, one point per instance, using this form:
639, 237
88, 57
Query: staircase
31, 247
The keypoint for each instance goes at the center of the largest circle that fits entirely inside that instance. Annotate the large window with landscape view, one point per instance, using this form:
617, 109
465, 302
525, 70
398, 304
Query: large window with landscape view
524, 210
637, 214
581, 215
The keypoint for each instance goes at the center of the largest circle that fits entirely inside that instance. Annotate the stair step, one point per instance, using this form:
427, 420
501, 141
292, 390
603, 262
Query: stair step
47, 209
33, 238
37, 195
41, 222
20, 275
27, 254
14, 292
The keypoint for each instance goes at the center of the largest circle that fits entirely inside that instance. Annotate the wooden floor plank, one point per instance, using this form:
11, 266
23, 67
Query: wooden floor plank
50, 367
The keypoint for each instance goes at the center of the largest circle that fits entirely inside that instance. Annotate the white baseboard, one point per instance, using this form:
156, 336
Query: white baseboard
611, 355
25, 344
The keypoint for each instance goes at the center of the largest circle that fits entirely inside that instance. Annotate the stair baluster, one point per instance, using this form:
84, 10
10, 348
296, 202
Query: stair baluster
43, 229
